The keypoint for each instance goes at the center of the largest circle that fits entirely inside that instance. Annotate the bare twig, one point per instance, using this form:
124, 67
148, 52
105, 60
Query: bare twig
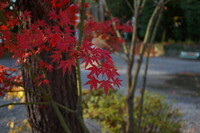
146, 69
66, 108
129, 5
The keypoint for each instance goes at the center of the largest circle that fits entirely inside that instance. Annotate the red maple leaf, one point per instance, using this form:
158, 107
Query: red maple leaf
41, 23
106, 85
59, 3
53, 15
3, 4
67, 65
7, 79
56, 56
27, 14
117, 82
93, 82
4, 27
43, 64
94, 70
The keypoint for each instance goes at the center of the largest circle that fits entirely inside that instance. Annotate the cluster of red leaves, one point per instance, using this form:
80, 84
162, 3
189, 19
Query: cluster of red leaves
106, 31
103, 73
10, 19
40, 79
59, 39
8, 80
3, 4
58, 3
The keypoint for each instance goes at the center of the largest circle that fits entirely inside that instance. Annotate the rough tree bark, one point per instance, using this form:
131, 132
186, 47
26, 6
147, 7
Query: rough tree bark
63, 89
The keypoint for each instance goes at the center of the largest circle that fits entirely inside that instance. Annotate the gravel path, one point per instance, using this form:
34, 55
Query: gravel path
189, 105
161, 70
16, 115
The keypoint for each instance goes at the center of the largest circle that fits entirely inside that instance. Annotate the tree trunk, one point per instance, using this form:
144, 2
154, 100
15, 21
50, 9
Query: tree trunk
63, 89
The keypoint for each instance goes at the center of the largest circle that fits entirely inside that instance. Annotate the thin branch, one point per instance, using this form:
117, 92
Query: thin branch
60, 117
129, 5
36, 103
146, 70
121, 56
13, 91
151, 22
118, 54
143, 48
13, 83
66, 108
156, 26
80, 38
78, 72
142, 5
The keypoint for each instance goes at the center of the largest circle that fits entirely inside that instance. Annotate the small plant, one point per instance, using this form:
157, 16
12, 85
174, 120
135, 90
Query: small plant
110, 111
23, 127
158, 116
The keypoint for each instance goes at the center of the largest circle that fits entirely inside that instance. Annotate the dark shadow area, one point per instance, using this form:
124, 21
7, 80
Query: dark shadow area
185, 81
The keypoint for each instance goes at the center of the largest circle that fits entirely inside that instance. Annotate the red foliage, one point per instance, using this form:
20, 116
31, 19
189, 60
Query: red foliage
105, 32
8, 79
4, 27
3, 4
59, 40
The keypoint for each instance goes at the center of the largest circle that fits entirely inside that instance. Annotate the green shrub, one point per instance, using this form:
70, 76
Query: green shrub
110, 111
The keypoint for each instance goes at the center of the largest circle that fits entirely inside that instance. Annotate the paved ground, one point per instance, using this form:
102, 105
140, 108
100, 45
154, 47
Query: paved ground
161, 76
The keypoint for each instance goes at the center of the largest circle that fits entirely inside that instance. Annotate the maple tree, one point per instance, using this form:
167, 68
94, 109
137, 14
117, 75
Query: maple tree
59, 39
49, 46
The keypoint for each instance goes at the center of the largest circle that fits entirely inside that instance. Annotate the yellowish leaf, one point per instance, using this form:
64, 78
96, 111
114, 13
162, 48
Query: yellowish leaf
10, 107
11, 124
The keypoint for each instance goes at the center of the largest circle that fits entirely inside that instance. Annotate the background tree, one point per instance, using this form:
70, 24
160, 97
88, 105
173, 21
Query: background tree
190, 15
179, 20
130, 51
